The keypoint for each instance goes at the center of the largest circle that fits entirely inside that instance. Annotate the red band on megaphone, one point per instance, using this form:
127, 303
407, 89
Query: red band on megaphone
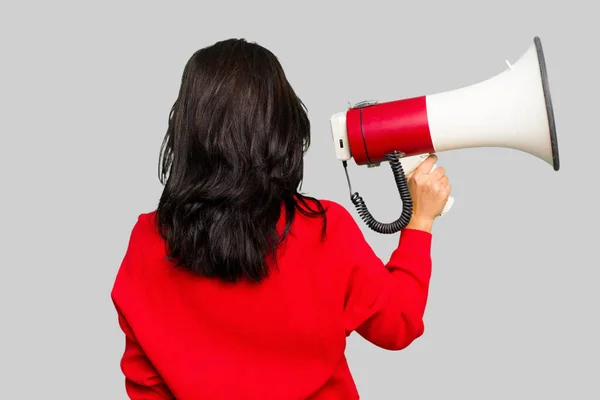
400, 125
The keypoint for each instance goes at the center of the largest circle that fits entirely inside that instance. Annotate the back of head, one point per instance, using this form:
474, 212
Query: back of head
231, 162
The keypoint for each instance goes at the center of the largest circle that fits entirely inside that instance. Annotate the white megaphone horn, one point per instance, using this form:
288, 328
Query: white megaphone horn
512, 109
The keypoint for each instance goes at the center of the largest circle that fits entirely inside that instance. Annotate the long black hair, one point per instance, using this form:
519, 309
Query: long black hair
231, 163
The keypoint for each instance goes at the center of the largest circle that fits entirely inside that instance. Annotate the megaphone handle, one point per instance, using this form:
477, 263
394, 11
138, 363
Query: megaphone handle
450, 200
411, 163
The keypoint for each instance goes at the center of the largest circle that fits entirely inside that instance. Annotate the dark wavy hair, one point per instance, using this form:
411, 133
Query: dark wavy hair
232, 162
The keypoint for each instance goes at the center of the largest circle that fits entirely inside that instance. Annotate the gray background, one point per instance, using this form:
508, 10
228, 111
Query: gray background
85, 91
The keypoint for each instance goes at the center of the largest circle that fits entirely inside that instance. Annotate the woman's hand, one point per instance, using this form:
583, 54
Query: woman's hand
429, 192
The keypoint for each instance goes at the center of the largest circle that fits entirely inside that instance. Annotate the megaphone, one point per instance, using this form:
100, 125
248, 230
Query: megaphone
512, 109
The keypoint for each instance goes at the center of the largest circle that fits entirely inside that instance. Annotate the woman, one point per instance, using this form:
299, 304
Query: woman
238, 286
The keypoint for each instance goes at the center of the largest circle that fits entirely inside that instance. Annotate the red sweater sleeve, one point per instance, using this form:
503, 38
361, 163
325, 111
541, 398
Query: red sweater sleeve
142, 380
385, 303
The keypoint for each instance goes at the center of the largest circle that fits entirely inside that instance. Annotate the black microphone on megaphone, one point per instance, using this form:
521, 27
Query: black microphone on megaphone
512, 109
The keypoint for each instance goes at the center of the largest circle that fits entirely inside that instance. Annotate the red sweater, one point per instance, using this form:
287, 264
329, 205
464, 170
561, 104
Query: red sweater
191, 338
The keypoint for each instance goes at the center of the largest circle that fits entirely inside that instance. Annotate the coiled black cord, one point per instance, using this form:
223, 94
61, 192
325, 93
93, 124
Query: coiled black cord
402, 185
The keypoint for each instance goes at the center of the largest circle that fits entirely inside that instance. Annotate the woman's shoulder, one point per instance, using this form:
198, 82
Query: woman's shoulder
336, 213
145, 220
144, 228
334, 208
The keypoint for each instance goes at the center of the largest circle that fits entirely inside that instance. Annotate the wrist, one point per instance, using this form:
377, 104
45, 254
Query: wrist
420, 223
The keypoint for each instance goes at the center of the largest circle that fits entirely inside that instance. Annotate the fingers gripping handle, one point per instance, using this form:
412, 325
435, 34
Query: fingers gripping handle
409, 164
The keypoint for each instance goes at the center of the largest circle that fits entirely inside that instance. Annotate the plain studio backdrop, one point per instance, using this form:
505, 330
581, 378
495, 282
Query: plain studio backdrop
86, 89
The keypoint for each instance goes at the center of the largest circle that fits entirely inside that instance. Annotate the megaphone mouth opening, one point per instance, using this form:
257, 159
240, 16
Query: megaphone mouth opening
548, 99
